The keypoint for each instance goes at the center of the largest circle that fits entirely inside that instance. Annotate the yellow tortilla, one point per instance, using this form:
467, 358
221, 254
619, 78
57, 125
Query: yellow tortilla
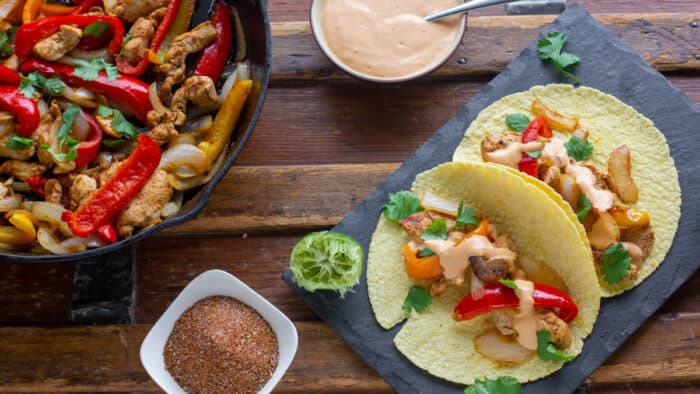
539, 229
610, 123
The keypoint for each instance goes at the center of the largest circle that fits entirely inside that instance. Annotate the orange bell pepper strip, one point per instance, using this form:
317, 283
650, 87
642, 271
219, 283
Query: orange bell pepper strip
31, 10
55, 9
220, 131
421, 267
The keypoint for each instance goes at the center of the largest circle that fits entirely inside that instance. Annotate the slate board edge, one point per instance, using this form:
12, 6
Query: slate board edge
590, 359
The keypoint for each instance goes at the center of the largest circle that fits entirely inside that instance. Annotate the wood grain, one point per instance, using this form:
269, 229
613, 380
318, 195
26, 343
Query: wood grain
105, 358
665, 41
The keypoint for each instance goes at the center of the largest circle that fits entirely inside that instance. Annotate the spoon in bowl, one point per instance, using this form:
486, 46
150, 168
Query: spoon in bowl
472, 5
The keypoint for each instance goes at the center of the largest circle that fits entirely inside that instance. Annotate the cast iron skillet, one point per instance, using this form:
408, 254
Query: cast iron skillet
258, 38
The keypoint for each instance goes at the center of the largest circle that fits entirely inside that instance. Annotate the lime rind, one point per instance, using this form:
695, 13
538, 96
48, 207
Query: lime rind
326, 260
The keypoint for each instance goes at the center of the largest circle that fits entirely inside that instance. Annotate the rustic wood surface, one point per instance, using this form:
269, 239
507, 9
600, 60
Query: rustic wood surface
323, 142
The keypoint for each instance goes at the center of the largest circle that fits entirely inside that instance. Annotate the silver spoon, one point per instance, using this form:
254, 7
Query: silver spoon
472, 5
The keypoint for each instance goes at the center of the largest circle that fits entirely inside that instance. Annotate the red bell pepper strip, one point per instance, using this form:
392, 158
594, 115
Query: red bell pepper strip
9, 76
37, 183
537, 127
84, 6
528, 165
30, 33
130, 93
499, 296
87, 150
213, 59
107, 233
129, 69
113, 196
24, 109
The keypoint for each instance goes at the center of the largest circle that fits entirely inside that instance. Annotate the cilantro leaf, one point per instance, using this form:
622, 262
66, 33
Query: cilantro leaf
123, 126
5, 44
401, 205
30, 83
578, 149
535, 155
17, 142
426, 253
26, 87
418, 299
64, 140
547, 350
96, 29
436, 231
517, 122
104, 112
53, 85
111, 70
465, 216
584, 207
550, 47
89, 71
502, 385
616, 263
508, 283
68, 118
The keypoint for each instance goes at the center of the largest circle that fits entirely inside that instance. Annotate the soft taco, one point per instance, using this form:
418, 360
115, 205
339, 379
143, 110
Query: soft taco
510, 280
608, 161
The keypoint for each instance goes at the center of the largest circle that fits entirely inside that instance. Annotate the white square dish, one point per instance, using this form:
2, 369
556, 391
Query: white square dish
211, 283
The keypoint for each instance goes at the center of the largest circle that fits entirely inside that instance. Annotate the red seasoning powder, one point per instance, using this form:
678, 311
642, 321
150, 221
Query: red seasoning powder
220, 345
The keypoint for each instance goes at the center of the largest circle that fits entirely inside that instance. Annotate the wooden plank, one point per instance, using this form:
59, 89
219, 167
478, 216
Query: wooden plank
665, 41
296, 10
355, 122
105, 358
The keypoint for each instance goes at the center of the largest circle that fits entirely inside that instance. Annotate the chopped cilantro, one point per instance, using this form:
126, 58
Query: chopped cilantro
517, 122
502, 385
465, 216
96, 29
426, 253
547, 350
508, 283
64, 140
119, 123
616, 263
535, 155
104, 112
113, 144
89, 71
401, 205
17, 142
30, 83
418, 299
550, 48
26, 87
436, 231
584, 207
578, 149
5, 44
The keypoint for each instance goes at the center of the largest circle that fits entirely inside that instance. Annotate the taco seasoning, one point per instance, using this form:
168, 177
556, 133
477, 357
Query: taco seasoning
388, 38
220, 345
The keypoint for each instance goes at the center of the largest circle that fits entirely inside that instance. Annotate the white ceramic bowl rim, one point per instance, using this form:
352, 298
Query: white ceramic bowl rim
317, 29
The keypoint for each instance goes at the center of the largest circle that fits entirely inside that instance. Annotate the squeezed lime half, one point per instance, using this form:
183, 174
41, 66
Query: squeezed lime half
326, 260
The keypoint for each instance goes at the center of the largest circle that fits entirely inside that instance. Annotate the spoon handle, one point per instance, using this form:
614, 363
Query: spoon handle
472, 5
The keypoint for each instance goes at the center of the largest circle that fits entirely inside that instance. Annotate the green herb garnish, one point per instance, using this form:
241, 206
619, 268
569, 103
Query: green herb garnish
96, 29
517, 122
17, 142
30, 83
547, 350
5, 44
119, 122
550, 48
126, 39
64, 140
89, 71
616, 262
535, 155
578, 149
502, 385
426, 253
508, 283
418, 299
436, 231
401, 205
584, 207
465, 216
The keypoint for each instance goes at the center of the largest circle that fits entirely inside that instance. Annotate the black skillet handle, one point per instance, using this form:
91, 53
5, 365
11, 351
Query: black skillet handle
103, 288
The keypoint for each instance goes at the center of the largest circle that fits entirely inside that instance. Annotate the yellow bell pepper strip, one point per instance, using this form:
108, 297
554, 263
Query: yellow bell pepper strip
22, 230
55, 9
220, 131
31, 10
180, 24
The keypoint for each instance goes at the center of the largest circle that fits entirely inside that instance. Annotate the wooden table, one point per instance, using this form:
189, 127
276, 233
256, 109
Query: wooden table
323, 142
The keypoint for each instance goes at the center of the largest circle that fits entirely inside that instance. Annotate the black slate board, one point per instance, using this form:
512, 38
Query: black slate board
607, 65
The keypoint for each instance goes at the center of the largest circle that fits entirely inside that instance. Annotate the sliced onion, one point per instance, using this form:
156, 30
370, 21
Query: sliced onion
11, 202
183, 138
184, 172
198, 126
81, 127
21, 187
94, 241
169, 209
228, 85
539, 272
568, 188
155, 99
81, 96
48, 240
43, 107
185, 184
6, 7
184, 155
27, 205
81, 54
244, 70
496, 346
74, 243
67, 59
436, 203
476, 286
51, 213
215, 167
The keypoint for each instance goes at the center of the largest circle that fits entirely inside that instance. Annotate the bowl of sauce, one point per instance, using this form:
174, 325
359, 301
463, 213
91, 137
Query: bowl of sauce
387, 40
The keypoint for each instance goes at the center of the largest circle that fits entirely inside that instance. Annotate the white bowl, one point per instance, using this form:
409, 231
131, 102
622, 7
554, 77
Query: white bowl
211, 283
317, 29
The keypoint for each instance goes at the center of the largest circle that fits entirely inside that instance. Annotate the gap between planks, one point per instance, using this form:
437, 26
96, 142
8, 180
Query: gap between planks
665, 40
105, 358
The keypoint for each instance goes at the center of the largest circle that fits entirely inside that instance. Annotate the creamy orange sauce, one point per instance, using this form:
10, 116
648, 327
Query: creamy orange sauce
602, 200
454, 258
554, 153
525, 321
510, 155
388, 38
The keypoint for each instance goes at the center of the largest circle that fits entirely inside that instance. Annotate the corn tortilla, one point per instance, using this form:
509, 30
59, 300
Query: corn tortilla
539, 229
610, 123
